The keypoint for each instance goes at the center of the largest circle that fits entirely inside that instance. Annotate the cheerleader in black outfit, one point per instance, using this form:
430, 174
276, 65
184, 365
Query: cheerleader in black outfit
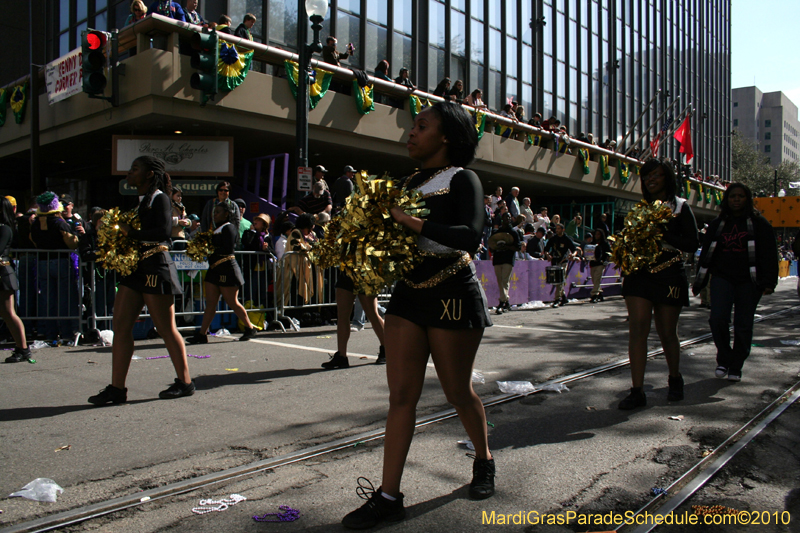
224, 277
154, 283
439, 310
9, 285
661, 289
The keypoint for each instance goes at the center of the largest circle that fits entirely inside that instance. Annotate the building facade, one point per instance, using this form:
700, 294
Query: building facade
769, 120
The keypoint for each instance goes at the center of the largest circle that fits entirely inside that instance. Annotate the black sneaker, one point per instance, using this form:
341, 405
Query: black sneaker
600, 298
564, 301
19, 355
178, 389
635, 399
482, 485
675, 393
499, 310
248, 334
377, 509
507, 306
593, 299
554, 304
337, 361
110, 394
197, 338
381, 356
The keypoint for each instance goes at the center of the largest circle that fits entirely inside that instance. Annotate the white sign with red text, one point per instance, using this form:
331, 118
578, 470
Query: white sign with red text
64, 76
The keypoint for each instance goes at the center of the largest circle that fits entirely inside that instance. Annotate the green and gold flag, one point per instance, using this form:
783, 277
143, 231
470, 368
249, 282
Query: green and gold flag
318, 84
233, 66
19, 101
533, 139
622, 166
584, 155
417, 104
604, 167
503, 131
363, 96
479, 118
3, 102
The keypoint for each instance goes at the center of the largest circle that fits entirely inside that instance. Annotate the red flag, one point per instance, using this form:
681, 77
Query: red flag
684, 136
654, 145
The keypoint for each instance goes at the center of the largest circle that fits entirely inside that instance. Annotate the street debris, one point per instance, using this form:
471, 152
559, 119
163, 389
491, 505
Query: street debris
67, 447
287, 515
517, 387
678, 418
468, 444
39, 490
210, 506
477, 377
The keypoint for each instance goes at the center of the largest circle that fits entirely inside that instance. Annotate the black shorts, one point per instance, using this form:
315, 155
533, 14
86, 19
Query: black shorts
154, 275
344, 282
661, 290
8, 279
453, 304
226, 274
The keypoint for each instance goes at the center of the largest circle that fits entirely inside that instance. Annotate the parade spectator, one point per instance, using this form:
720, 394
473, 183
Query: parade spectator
513, 203
318, 201
496, 197
740, 253
542, 220
256, 239
382, 73
456, 94
503, 259
70, 216
501, 210
508, 113
536, 120
442, 89
597, 263
169, 9
526, 210
660, 289
224, 24
179, 220
280, 245
575, 228
404, 80
487, 225
342, 188
555, 221
535, 245
194, 227
223, 193
475, 99
244, 224
243, 29
602, 223
298, 265
559, 249
331, 55
138, 12
192, 16
318, 176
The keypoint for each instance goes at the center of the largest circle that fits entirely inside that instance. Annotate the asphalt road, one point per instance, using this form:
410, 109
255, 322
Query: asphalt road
555, 453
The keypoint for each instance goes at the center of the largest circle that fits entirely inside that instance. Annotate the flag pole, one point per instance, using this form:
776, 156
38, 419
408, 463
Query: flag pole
647, 152
638, 120
657, 120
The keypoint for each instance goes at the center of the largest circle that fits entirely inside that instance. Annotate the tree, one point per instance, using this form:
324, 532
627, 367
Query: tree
788, 172
749, 166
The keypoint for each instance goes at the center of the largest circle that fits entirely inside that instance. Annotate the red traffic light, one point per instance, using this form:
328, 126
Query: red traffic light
96, 40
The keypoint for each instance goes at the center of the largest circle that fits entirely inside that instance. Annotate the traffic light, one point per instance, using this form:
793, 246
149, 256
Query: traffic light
205, 59
93, 48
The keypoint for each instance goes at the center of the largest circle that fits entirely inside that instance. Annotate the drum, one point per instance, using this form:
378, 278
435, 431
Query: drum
555, 275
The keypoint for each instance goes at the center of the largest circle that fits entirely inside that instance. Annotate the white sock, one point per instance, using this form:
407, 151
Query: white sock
390, 498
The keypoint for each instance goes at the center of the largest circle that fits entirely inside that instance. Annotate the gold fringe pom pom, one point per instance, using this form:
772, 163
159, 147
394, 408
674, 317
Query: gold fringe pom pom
638, 245
365, 242
200, 247
115, 250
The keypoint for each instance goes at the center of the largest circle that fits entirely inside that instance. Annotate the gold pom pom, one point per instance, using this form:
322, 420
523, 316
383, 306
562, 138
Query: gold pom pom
200, 247
365, 242
638, 245
115, 250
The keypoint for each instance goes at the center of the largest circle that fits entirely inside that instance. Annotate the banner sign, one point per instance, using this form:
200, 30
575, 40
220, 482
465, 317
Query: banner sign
185, 156
184, 262
206, 188
782, 212
64, 76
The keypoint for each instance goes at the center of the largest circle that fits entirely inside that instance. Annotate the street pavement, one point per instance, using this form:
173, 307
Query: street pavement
572, 451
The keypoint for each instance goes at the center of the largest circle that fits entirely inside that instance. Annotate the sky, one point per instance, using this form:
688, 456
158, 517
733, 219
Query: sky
764, 47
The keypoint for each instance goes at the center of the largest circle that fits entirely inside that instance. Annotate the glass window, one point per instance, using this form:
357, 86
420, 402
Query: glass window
458, 69
527, 63
561, 37
435, 66
561, 80
494, 49
573, 84
100, 21
767, 148
353, 6
401, 54
585, 90
348, 30
458, 33
477, 41
767, 123
547, 110
475, 76
573, 9
511, 89
82, 9
572, 126
476, 9
100, 4
511, 57
547, 73
402, 16
584, 50
63, 43
79, 29
595, 21
378, 11
436, 35
561, 109
767, 136
283, 22
495, 97
511, 19
584, 13
527, 99
461, 5
525, 15
63, 15
495, 15
547, 36
573, 43
377, 49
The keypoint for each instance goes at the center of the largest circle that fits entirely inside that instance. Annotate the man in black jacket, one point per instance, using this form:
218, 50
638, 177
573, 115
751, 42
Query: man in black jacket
558, 250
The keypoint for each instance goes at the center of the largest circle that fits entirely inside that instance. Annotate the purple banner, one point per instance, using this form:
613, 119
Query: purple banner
528, 284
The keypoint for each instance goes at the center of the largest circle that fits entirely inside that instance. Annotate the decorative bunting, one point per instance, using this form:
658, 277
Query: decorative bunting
686, 189
417, 104
709, 195
584, 155
479, 118
503, 130
717, 197
363, 95
233, 66
604, 167
318, 84
533, 140
19, 100
622, 166
700, 190
3, 102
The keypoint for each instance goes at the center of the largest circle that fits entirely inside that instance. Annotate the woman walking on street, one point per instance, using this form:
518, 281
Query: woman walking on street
660, 290
741, 254
9, 285
438, 311
154, 283
224, 277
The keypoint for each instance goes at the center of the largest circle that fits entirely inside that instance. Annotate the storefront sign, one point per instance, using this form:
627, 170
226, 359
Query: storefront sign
63, 77
188, 187
304, 179
185, 156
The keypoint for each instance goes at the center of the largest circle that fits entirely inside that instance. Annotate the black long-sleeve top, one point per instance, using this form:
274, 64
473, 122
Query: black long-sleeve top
681, 233
455, 220
6, 236
601, 253
155, 217
224, 241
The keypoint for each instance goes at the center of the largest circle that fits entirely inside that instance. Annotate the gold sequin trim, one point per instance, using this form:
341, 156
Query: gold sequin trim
436, 193
429, 179
223, 260
464, 260
152, 251
5, 263
666, 264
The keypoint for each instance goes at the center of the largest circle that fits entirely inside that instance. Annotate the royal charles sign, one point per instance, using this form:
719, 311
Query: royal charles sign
185, 156
206, 188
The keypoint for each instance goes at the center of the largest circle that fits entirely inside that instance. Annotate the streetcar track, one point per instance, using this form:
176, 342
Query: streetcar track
106, 507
